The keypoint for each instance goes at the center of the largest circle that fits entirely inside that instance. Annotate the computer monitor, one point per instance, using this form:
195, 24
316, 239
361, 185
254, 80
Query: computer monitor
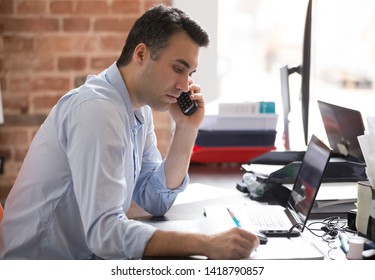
304, 71
343, 126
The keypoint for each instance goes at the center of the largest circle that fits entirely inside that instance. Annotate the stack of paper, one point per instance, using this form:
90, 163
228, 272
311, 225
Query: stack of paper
365, 220
335, 199
240, 116
367, 143
235, 132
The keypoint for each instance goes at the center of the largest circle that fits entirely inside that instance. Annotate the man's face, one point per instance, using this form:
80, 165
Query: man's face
161, 81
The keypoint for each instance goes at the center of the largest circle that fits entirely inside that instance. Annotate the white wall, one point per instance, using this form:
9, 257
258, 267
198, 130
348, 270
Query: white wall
205, 13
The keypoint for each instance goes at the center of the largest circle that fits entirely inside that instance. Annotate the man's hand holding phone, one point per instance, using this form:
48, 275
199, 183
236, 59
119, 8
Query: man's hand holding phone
187, 105
189, 109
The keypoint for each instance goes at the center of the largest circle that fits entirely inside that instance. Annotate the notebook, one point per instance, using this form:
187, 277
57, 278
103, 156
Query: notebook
343, 126
294, 215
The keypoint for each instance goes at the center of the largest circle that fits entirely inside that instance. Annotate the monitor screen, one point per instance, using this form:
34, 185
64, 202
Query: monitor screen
309, 177
304, 71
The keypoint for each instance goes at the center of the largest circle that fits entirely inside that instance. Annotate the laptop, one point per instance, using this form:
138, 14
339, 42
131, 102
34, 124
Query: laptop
343, 126
290, 220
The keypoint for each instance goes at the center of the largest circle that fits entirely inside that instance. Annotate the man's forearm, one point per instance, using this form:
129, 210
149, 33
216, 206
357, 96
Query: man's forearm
178, 158
168, 243
235, 243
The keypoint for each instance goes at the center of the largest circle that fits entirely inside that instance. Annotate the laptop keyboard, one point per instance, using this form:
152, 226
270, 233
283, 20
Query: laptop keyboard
267, 217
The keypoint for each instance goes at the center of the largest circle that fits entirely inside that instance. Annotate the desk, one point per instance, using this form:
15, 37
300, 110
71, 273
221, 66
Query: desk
218, 182
222, 176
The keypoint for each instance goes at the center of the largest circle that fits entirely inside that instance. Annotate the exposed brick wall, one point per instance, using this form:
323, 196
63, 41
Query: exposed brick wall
48, 47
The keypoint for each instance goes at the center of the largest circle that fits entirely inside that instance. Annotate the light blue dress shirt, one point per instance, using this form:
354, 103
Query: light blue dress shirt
91, 157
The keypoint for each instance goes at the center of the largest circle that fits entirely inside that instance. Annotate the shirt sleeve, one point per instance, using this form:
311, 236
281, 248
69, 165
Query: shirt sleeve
96, 155
153, 194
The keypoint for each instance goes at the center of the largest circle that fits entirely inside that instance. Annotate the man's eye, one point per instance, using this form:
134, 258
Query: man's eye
178, 69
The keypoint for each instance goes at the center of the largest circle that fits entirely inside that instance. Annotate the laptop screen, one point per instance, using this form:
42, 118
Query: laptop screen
309, 178
343, 126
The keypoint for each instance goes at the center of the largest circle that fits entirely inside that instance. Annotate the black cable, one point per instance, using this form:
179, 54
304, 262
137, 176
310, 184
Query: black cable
330, 227
297, 225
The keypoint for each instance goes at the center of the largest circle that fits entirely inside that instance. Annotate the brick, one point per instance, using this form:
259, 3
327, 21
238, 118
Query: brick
101, 63
84, 43
5, 152
76, 24
17, 44
163, 119
71, 63
163, 147
28, 62
11, 169
28, 24
44, 103
24, 120
29, 85
126, 7
80, 36
163, 134
13, 136
20, 154
53, 44
14, 104
92, 7
79, 80
5, 188
121, 25
61, 7
163, 130
31, 7
66, 44
3, 87
7, 7
50, 83
19, 84
114, 43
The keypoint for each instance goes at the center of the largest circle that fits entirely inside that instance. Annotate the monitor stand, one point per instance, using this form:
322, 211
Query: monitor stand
340, 168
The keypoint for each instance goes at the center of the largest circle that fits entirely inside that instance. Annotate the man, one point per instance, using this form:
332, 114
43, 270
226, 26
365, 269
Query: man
96, 152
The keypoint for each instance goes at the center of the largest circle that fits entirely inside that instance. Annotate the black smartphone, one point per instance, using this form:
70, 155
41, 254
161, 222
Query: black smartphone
187, 105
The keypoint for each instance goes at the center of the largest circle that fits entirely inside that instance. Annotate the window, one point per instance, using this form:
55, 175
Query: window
255, 38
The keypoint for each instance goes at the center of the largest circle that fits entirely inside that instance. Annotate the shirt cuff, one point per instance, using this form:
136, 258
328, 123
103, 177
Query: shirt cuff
135, 243
161, 180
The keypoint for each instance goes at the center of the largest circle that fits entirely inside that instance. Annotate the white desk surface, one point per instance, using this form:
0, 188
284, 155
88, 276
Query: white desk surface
213, 185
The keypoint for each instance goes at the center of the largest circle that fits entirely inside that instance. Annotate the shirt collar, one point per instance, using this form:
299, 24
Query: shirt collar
114, 77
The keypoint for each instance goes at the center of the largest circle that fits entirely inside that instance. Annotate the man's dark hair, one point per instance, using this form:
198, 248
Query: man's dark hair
155, 27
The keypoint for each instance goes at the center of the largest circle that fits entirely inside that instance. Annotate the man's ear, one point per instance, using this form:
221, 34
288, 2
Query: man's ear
140, 53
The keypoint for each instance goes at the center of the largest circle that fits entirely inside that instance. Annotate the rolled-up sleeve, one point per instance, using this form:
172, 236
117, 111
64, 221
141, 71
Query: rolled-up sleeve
153, 195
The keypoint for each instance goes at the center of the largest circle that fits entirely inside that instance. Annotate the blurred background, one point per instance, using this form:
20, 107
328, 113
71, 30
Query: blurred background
47, 47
